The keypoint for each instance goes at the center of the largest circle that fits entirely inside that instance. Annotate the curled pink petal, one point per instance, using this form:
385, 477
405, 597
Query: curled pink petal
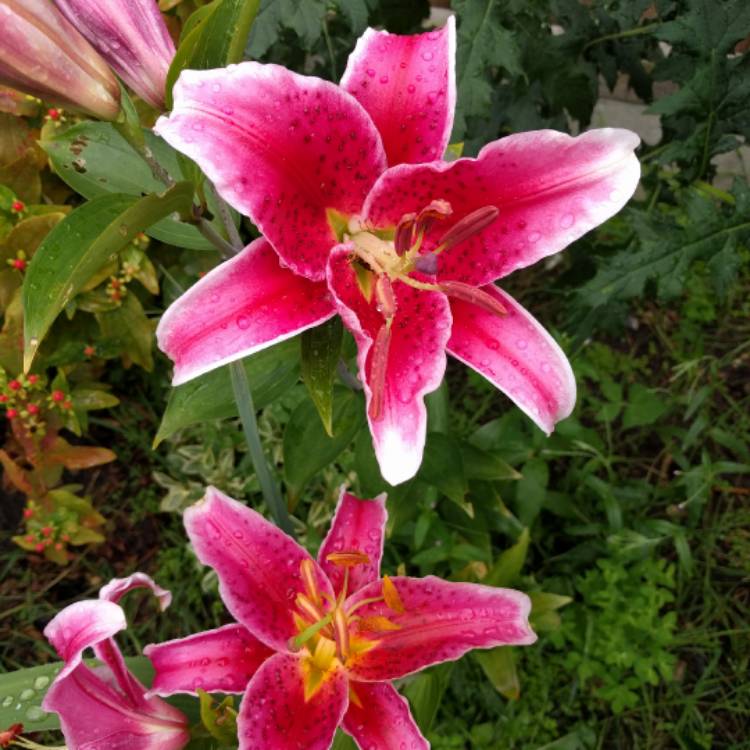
440, 621
221, 660
275, 714
549, 188
242, 306
358, 525
131, 36
95, 716
258, 565
281, 148
516, 354
83, 625
415, 363
407, 84
118, 587
382, 719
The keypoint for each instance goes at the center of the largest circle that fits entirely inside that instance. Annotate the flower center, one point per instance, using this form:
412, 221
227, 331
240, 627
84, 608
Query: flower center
379, 262
324, 625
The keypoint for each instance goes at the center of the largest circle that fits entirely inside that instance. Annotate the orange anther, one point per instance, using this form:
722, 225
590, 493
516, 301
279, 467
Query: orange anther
307, 571
348, 559
391, 596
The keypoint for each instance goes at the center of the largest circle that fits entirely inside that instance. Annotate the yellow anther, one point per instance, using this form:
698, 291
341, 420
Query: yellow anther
348, 559
342, 633
391, 596
308, 608
354, 698
307, 571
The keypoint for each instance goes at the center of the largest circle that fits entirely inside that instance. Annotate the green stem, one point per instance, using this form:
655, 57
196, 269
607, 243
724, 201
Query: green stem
224, 248
623, 34
226, 219
268, 487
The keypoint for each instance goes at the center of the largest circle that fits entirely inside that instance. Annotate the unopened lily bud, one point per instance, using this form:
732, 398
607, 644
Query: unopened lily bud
42, 54
131, 36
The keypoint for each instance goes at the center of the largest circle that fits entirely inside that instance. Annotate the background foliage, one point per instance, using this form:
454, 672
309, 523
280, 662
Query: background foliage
629, 526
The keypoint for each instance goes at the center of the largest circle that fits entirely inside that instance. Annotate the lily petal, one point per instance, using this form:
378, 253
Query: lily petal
549, 188
415, 363
258, 565
383, 718
83, 625
441, 621
244, 305
93, 715
407, 84
274, 712
281, 148
220, 660
118, 587
358, 525
516, 354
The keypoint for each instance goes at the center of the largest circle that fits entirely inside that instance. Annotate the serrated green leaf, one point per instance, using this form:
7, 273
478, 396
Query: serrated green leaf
270, 373
321, 349
79, 245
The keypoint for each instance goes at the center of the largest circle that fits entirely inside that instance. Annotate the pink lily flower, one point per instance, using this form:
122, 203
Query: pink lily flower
316, 644
131, 36
106, 708
348, 186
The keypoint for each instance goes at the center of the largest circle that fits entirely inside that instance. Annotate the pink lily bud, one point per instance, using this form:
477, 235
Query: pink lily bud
43, 55
131, 36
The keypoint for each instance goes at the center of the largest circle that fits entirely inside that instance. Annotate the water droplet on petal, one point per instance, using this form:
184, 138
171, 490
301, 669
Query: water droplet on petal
371, 72
243, 322
427, 55
567, 221
216, 87
522, 344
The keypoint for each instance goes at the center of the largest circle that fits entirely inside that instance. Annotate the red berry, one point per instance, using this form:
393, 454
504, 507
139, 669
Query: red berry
3, 398
17, 206
67, 405
39, 547
89, 351
58, 546
11, 413
19, 264
65, 537
53, 114
58, 396
47, 531
33, 409
29, 538
28, 513
33, 379
14, 385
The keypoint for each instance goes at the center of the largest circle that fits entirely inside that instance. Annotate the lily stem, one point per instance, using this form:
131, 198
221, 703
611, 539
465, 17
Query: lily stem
226, 219
146, 154
268, 487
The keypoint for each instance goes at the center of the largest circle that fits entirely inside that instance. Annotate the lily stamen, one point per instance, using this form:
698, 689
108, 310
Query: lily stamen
467, 227
474, 296
379, 370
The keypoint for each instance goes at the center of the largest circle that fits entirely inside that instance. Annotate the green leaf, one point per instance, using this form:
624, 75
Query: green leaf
442, 466
270, 373
499, 665
94, 159
217, 39
304, 17
79, 245
425, 693
128, 328
321, 349
485, 465
307, 448
645, 406
531, 490
508, 566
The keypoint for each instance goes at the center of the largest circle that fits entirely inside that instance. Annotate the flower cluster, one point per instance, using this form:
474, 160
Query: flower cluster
315, 644
26, 399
